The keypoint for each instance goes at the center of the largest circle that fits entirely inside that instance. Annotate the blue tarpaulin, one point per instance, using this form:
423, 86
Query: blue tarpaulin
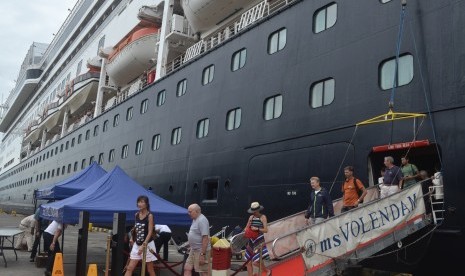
115, 192
72, 185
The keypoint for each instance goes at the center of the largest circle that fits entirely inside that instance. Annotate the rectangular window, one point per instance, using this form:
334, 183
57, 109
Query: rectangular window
210, 190
143, 106
156, 142
207, 75
75, 166
78, 69
88, 134
238, 59
129, 114
72, 142
95, 130
139, 147
273, 107
233, 119
324, 18
100, 158
91, 160
116, 120
111, 156
83, 164
124, 152
105, 126
322, 93
161, 98
181, 88
277, 41
176, 136
388, 71
202, 128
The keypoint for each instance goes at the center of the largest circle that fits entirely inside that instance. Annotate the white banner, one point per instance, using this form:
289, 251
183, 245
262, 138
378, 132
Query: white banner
353, 230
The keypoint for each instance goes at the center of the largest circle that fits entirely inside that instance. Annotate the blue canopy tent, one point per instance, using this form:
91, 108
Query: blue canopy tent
72, 185
115, 192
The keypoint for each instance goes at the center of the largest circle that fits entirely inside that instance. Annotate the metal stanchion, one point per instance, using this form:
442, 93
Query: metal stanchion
107, 260
144, 256
260, 259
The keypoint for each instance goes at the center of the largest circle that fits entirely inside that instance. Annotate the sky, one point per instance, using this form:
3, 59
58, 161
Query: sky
21, 23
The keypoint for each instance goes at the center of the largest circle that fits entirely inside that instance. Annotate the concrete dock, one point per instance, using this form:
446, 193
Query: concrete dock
96, 253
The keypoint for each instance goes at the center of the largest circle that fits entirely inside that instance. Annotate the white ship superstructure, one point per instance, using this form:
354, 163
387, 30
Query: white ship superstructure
104, 52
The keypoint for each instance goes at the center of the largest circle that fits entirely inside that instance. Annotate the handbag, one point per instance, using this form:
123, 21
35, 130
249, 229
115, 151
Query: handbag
251, 234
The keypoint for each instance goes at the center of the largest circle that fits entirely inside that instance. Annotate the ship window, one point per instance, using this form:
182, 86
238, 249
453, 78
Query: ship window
161, 98
67, 145
83, 164
58, 172
100, 158
181, 88
91, 160
404, 72
176, 136
111, 155
156, 142
210, 190
76, 166
385, 1
139, 147
101, 43
322, 93
51, 154
143, 106
277, 41
129, 114
72, 142
63, 170
124, 152
105, 126
207, 75
87, 134
79, 138
273, 107
238, 59
48, 174
78, 69
202, 128
48, 154
61, 148
96, 130
69, 168
53, 172
116, 120
325, 18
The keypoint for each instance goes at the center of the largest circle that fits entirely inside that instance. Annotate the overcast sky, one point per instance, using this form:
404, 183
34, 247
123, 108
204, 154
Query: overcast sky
21, 23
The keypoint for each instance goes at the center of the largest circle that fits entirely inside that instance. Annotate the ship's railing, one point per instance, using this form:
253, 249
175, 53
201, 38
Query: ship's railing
261, 10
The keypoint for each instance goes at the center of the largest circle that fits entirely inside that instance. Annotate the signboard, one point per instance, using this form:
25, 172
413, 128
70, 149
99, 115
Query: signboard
352, 230
404, 145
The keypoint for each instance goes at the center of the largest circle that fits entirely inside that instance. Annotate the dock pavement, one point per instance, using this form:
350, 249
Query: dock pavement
96, 253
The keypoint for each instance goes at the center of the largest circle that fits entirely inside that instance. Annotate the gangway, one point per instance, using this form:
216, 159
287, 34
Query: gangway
329, 247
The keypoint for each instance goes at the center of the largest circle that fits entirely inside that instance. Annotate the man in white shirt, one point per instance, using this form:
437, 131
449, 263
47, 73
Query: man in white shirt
164, 236
51, 244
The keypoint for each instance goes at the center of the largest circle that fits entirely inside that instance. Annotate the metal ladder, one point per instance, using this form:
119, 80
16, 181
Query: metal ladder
437, 202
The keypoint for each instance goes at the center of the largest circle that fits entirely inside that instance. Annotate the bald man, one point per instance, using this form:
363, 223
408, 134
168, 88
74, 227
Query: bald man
199, 242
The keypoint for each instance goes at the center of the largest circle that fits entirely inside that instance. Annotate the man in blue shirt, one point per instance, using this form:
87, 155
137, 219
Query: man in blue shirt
392, 182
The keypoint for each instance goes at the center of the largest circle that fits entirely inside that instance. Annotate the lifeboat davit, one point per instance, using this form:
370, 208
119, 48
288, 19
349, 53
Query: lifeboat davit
133, 55
94, 64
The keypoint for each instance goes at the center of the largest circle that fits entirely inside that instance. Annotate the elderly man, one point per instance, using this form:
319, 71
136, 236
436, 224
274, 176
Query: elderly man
27, 225
393, 177
199, 242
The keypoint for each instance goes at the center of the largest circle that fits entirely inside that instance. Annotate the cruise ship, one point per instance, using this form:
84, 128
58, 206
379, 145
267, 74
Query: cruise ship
228, 102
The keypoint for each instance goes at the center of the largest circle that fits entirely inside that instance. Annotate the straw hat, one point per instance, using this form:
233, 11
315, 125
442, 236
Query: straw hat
255, 206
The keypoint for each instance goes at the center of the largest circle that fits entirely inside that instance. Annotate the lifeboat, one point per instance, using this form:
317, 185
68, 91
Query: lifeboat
133, 55
152, 14
204, 15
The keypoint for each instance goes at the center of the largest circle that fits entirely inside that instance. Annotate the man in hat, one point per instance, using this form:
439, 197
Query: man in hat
199, 242
321, 205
